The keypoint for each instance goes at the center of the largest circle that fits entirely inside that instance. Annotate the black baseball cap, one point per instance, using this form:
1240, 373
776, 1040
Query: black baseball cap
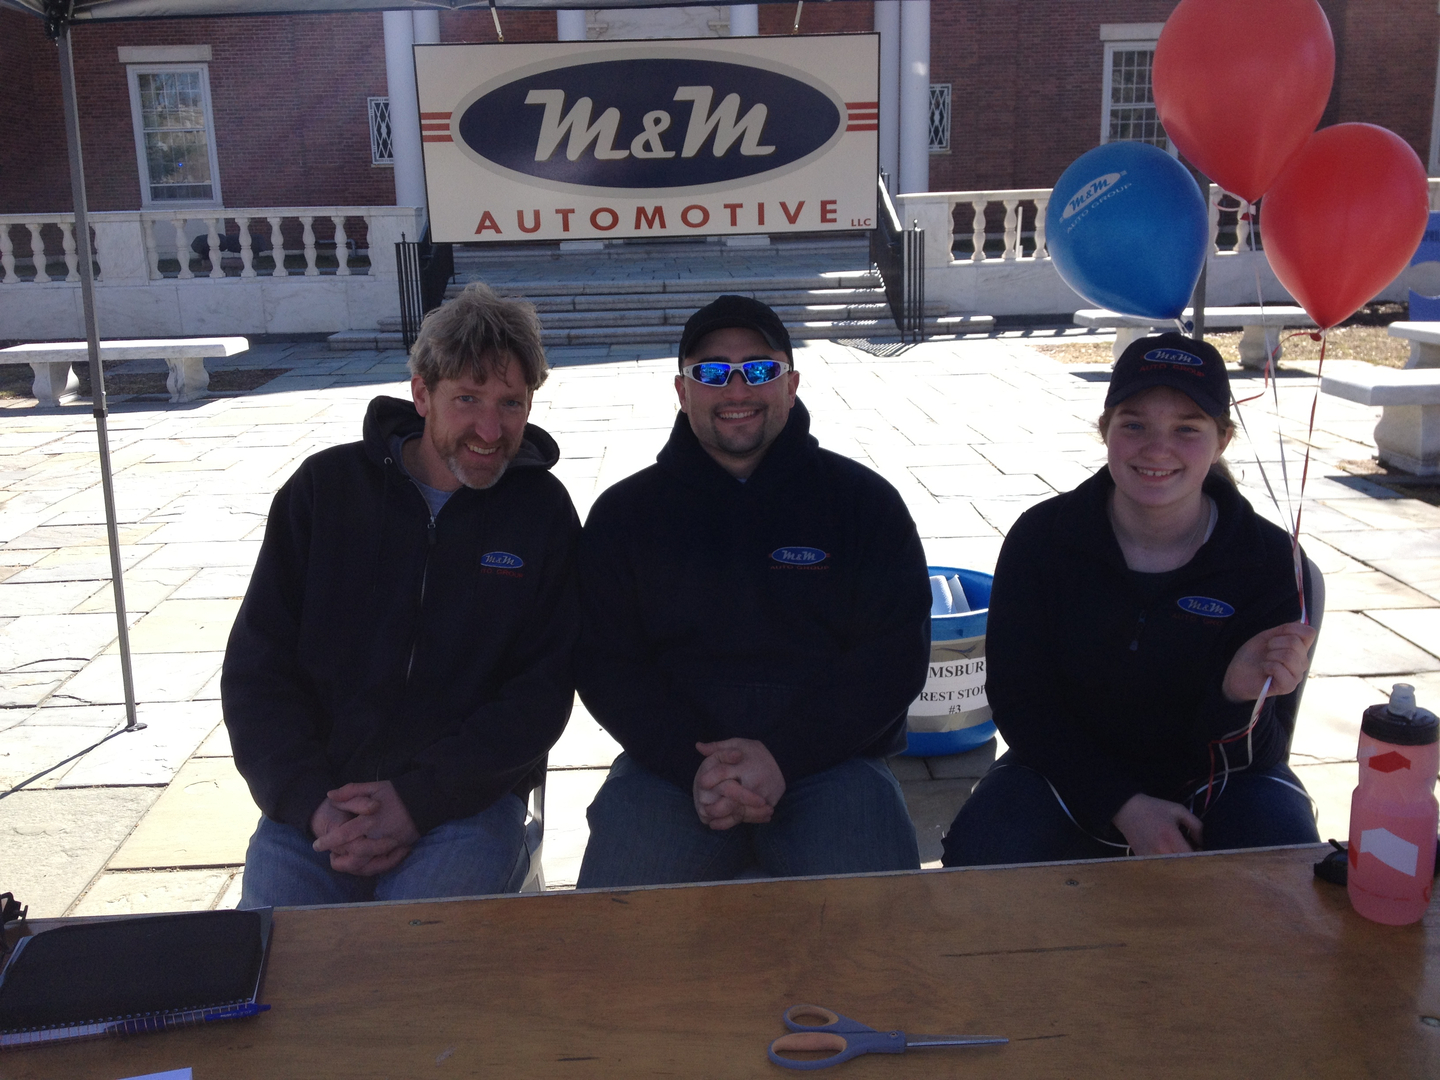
1192, 367
731, 310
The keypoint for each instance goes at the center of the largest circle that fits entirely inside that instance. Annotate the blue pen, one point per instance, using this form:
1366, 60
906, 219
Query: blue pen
250, 1008
142, 1024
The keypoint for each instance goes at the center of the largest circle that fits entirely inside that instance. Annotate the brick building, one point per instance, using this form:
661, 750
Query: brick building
1019, 89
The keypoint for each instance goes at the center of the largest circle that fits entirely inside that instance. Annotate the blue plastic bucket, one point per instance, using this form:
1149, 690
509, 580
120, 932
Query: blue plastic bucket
952, 714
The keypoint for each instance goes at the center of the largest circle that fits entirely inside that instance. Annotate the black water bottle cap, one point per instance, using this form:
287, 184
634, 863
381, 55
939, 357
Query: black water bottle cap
1400, 721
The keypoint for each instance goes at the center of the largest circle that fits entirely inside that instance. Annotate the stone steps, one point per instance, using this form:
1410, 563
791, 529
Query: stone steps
702, 287
633, 299
678, 251
669, 334
666, 315
834, 330
643, 292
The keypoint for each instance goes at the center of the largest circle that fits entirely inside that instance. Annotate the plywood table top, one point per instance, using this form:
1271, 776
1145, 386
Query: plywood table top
1238, 965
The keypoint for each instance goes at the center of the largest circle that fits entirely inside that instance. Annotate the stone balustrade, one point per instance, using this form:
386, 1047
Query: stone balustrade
329, 268
38, 234
985, 252
33, 247
186, 272
1010, 224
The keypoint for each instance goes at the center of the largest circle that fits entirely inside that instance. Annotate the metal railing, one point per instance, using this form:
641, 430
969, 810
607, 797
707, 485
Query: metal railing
899, 255
412, 307
425, 270
912, 327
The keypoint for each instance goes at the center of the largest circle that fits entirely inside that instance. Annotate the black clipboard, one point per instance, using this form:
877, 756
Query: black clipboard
124, 976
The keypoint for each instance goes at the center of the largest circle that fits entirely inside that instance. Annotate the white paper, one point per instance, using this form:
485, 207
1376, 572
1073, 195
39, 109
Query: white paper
942, 601
957, 595
1394, 851
954, 686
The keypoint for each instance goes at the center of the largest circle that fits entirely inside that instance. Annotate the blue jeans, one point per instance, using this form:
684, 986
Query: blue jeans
471, 856
1014, 817
644, 830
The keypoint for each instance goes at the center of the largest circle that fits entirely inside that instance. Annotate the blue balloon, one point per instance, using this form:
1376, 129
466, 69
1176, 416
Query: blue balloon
1127, 230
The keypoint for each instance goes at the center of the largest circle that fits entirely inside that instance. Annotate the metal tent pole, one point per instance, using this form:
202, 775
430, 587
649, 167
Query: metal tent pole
92, 337
1197, 299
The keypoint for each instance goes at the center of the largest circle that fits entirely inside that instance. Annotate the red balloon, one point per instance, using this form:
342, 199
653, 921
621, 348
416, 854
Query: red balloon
1344, 218
1241, 84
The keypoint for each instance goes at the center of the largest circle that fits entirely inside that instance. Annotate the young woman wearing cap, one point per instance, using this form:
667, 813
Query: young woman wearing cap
1133, 623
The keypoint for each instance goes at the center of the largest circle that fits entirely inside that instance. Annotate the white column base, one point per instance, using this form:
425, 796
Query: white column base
54, 384
187, 380
1408, 437
1256, 343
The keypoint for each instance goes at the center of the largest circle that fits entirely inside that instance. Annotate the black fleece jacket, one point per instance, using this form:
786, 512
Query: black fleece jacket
1108, 681
793, 608
377, 643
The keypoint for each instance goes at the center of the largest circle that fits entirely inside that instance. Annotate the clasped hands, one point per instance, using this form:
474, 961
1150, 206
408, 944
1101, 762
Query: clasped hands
737, 782
365, 828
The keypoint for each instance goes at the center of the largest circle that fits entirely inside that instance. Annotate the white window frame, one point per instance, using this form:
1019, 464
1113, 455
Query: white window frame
1126, 37
940, 99
132, 73
373, 105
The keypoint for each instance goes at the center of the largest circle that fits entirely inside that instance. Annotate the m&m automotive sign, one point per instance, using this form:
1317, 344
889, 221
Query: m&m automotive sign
589, 140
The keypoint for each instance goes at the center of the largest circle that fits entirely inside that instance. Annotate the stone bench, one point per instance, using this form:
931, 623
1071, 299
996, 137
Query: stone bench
1408, 434
1424, 338
1259, 337
55, 381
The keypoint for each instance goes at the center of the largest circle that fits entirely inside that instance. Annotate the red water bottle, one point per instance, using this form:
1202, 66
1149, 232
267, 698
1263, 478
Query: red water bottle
1393, 813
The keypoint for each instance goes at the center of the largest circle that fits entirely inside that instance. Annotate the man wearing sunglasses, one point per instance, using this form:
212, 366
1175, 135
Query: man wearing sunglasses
756, 623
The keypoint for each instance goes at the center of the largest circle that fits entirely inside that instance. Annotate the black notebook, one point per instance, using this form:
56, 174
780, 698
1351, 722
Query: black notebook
123, 976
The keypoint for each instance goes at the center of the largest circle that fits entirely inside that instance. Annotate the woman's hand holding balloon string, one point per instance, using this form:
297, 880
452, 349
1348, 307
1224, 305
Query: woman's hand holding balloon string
1280, 654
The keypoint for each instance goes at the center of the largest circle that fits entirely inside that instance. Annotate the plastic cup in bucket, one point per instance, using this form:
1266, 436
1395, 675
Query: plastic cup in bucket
952, 714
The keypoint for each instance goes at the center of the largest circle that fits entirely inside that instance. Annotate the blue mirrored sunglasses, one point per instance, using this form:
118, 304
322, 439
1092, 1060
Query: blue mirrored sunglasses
756, 372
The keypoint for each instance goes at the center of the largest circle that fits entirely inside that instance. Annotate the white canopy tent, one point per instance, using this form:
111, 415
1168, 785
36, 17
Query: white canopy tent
60, 16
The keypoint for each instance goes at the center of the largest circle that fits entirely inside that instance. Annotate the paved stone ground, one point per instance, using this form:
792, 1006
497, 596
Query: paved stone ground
972, 432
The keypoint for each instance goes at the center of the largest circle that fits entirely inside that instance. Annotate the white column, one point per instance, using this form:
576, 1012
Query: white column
1433, 165
427, 26
887, 25
744, 20
570, 25
404, 109
914, 95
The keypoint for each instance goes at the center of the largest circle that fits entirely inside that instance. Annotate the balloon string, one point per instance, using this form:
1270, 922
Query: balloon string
1271, 360
1294, 520
1240, 414
1305, 476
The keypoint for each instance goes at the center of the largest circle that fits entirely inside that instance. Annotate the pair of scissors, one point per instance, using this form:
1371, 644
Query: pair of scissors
817, 1029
